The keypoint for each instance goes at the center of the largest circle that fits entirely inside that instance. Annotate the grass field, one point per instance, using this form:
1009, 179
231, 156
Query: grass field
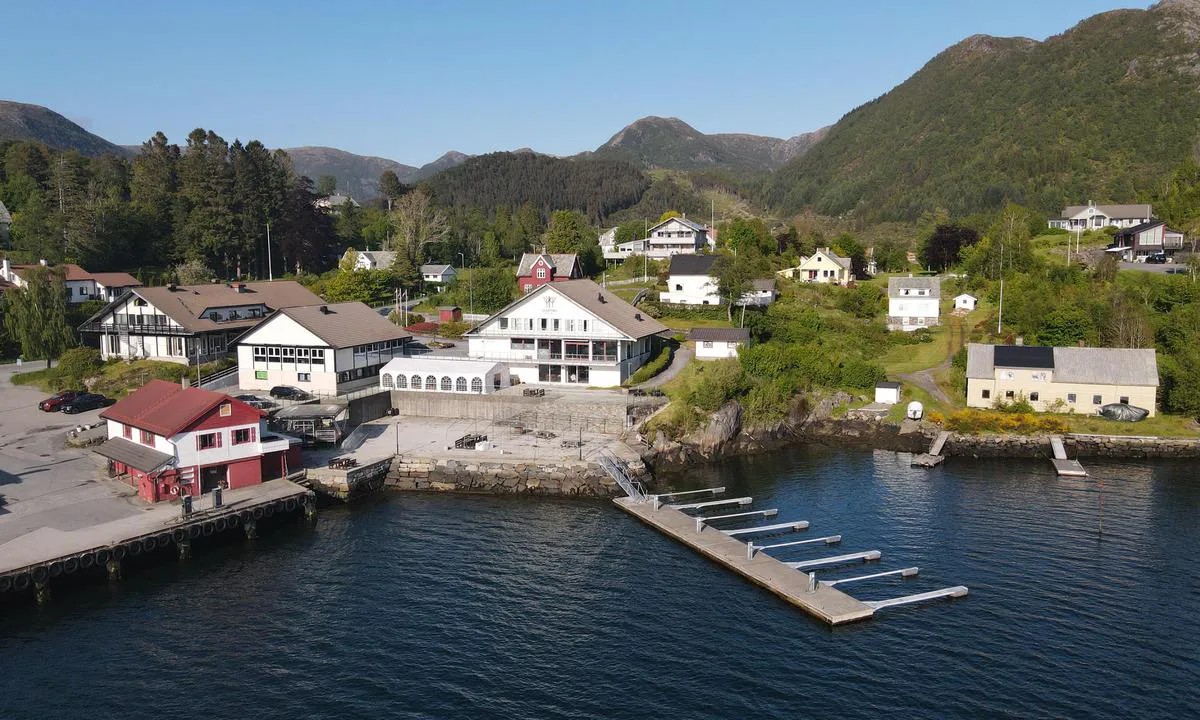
1159, 425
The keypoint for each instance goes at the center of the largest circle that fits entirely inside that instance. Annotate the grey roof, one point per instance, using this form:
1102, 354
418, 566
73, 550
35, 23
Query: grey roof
625, 318
1103, 366
187, 304
720, 334
341, 325
888, 384
435, 269
843, 261
896, 284
135, 455
379, 258
763, 284
1139, 210
692, 264
311, 410
5, 217
683, 221
561, 262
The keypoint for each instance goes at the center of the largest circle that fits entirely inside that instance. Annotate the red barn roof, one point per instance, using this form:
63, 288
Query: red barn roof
165, 408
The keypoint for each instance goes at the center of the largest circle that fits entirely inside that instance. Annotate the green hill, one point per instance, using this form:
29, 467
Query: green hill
1101, 112
358, 175
21, 121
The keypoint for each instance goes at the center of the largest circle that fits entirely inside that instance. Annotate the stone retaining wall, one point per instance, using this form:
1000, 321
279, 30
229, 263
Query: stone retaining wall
543, 478
1076, 446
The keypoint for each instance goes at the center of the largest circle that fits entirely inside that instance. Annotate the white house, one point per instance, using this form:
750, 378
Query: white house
188, 323
431, 373
823, 266
965, 301
335, 202
370, 259
437, 274
571, 332
717, 343
80, 284
760, 294
691, 281
887, 392
1094, 217
321, 349
676, 236
913, 302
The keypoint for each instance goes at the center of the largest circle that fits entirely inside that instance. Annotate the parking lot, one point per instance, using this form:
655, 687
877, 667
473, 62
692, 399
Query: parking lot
1165, 268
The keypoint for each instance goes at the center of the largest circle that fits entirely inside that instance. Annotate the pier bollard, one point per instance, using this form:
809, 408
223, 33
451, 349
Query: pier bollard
310, 506
656, 502
251, 529
41, 589
750, 550
114, 569
216, 496
812, 582
185, 548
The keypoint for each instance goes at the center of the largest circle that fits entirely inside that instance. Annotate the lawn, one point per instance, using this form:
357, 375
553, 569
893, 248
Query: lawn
1157, 426
115, 379
688, 323
911, 358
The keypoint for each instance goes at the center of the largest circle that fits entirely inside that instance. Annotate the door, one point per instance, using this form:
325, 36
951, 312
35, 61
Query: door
212, 477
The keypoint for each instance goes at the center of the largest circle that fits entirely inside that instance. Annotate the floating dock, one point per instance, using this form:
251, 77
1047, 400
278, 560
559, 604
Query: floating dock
934, 457
825, 602
1062, 465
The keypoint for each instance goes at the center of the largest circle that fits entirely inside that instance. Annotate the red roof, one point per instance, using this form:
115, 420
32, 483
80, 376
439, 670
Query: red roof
165, 408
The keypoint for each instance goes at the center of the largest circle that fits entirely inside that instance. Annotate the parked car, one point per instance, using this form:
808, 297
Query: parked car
287, 392
84, 402
55, 402
1157, 258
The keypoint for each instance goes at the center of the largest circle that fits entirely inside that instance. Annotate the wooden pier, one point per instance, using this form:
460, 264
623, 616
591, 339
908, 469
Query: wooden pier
934, 457
822, 601
36, 559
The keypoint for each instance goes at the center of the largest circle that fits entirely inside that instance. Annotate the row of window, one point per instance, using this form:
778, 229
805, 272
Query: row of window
210, 441
377, 346
447, 384
543, 324
1034, 396
300, 376
274, 353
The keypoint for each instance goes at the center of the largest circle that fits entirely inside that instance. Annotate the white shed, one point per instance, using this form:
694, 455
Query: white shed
444, 374
887, 392
965, 302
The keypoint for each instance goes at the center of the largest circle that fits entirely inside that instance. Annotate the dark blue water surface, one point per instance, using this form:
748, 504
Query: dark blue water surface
418, 606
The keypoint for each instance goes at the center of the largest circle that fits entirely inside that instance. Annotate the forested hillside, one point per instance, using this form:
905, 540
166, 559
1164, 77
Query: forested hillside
1101, 112
358, 175
596, 188
21, 121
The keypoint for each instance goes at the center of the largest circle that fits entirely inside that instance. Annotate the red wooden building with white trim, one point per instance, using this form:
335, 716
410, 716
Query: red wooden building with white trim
167, 440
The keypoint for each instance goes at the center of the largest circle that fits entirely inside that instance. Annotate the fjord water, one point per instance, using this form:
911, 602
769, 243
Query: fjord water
422, 605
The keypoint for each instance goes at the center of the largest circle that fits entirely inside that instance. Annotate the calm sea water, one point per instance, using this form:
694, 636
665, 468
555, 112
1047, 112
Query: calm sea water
420, 606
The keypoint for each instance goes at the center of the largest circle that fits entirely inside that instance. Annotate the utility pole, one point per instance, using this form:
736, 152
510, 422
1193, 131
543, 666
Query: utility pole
270, 271
1000, 317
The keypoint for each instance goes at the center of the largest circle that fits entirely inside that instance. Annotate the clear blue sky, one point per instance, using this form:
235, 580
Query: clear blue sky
410, 80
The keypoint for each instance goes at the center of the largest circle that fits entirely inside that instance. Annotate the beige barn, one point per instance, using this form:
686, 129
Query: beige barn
1083, 378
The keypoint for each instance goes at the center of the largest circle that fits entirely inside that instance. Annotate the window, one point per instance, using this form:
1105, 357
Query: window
128, 432
987, 394
1009, 394
430, 382
243, 435
302, 354
1070, 397
576, 349
605, 350
226, 409
678, 287
707, 344
208, 441
303, 377
495, 382
416, 382
541, 273
477, 384
522, 344
386, 380
289, 355
318, 356
175, 346
260, 374
260, 353
273, 353
543, 323
503, 323
447, 383
555, 324
1097, 400
460, 385
1033, 397
1125, 399
401, 381
114, 344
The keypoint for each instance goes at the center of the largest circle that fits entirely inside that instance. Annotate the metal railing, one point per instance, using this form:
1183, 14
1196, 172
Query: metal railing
618, 471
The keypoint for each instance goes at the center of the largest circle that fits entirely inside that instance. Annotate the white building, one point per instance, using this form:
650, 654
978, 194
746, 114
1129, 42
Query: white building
691, 282
673, 236
914, 302
437, 274
571, 332
760, 294
188, 323
965, 301
717, 343
823, 266
431, 373
887, 392
321, 349
1095, 217
335, 202
369, 259
80, 284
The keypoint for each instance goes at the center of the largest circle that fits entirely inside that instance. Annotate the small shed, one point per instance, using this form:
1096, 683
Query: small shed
887, 392
717, 343
449, 313
965, 302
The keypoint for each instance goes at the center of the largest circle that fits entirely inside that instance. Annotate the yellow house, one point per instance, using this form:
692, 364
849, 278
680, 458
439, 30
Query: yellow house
822, 267
1061, 379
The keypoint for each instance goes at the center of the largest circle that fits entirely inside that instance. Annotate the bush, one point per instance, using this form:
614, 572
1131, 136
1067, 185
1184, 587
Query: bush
717, 383
982, 421
650, 369
861, 374
453, 329
75, 366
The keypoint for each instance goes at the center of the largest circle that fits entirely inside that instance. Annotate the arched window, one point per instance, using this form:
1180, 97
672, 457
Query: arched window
430, 382
460, 385
476, 385
387, 380
401, 382
447, 383
416, 382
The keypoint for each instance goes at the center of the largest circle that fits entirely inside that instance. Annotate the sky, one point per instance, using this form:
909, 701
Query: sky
410, 80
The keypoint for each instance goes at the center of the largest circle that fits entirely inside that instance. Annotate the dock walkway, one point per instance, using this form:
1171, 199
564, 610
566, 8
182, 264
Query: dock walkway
934, 457
1062, 465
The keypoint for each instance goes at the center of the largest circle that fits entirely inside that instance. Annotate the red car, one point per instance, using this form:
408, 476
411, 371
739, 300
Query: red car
55, 402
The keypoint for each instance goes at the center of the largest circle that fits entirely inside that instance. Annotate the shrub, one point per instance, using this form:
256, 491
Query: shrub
75, 366
982, 421
716, 383
453, 329
650, 369
861, 374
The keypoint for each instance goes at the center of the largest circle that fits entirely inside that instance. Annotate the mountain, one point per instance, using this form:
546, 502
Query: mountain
656, 142
359, 174
21, 121
1101, 112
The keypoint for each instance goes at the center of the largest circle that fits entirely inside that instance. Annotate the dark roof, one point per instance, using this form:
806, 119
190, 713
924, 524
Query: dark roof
136, 456
116, 279
692, 264
1023, 356
559, 262
340, 325
720, 334
888, 384
1140, 227
166, 408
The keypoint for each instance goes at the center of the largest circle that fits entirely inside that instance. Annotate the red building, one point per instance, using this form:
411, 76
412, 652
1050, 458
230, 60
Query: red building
537, 269
167, 441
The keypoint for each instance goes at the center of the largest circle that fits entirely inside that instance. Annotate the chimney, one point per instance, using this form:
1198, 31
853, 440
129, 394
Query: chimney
241, 287
600, 297
324, 309
171, 287
1019, 341
637, 316
5, 269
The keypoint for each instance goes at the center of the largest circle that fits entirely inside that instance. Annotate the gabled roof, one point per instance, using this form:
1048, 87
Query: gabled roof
339, 325
763, 285
561, 263
1143, 227
720, 334
829, 255
186, 303
70, 271
692, 264
165, 408
965, 295
896, 284
116, 279
622, 316
378, 258
1139, 210
1083, 365
435, 269
681, 220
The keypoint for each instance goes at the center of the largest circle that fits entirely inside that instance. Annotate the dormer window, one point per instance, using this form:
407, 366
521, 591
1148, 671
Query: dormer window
541, 273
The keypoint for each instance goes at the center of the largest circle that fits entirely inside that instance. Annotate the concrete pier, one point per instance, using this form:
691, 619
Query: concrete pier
826, 603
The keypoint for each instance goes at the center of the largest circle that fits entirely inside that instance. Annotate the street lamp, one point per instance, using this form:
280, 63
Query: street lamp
470, 283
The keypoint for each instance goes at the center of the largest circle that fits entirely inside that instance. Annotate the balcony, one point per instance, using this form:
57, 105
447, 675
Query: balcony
131, 329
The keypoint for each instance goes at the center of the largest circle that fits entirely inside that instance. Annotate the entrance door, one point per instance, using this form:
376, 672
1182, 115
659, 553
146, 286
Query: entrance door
214, 476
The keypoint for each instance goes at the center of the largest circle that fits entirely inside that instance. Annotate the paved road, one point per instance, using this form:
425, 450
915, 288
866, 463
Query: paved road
683, 356
1165, 268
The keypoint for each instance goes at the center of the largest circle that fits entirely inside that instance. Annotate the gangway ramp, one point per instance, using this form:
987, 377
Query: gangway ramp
951, 592
1063, 465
